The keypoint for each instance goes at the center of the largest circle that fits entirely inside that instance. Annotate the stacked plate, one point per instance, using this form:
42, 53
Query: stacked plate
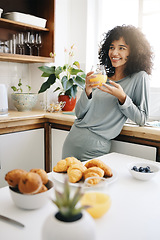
1, 11
25, 18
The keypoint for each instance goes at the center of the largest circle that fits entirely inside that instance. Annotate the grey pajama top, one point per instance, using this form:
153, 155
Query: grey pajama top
103, 115
101, 118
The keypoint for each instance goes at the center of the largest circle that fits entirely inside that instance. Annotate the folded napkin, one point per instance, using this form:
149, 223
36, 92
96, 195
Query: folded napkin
69, 113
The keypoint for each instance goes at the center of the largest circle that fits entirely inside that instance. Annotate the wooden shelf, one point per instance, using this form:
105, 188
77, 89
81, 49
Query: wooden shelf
12, 25
39, 8
24, 58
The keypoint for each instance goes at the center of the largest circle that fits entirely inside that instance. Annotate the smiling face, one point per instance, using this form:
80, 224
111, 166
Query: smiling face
118, 53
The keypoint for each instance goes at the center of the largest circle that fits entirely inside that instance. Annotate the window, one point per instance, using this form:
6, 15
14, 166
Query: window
150, 18
103, 15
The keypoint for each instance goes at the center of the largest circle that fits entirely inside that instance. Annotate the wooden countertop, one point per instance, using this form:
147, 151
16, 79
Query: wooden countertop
15, 119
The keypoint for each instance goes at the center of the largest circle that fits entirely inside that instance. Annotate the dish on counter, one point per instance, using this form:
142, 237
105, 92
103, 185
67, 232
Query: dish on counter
29, 190
60, 178
140, 172
78, 171
31, 201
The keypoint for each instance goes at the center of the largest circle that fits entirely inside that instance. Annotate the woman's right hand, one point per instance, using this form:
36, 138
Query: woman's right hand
89, 85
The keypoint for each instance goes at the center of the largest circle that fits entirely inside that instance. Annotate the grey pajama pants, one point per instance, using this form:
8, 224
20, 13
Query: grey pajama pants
84, 144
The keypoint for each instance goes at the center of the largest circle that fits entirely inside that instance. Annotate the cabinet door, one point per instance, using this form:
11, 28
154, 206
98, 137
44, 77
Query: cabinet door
134, 149
23, 150
58, 138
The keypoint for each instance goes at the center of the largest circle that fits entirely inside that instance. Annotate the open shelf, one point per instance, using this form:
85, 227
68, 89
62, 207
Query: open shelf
9, 24
39, 8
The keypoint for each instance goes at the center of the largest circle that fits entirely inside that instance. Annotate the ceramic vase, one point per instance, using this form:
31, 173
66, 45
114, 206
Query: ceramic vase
82, 229
69, 102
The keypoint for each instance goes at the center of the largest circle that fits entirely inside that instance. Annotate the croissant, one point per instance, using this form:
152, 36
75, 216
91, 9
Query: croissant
93, 172
64, 164
75, 172
98, 163
71, 160
61, 166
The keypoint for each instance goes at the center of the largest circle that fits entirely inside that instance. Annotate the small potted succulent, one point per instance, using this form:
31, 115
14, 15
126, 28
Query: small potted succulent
23, 101
69, 77
71, 220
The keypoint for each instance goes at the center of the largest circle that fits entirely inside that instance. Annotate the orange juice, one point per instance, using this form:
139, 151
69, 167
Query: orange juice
99, 202
100, 78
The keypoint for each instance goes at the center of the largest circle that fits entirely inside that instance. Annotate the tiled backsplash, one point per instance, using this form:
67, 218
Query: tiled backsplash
10, 73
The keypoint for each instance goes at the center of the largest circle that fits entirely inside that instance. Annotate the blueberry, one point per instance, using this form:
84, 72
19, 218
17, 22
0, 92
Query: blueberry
135, 168
147, 169
141, 169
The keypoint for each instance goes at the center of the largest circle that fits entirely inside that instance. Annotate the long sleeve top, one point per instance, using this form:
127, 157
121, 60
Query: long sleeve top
103, 115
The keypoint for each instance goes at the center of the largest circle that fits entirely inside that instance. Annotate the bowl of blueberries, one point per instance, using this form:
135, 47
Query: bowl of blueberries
143, 171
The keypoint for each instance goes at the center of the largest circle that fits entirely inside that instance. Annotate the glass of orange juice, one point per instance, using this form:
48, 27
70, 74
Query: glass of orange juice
100, 75
96, 196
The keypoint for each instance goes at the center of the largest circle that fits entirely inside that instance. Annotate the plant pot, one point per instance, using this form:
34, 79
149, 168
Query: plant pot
24, 101
84, 228
69, 103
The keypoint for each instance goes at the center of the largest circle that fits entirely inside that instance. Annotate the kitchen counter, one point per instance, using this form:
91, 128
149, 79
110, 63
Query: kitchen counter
15, 119
21, 121
134, 212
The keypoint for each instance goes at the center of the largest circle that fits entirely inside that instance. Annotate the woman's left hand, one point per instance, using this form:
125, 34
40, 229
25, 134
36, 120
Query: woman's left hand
115, 90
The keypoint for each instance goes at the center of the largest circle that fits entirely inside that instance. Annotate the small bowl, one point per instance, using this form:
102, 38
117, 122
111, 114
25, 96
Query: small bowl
144, 176
24, 101
30, 202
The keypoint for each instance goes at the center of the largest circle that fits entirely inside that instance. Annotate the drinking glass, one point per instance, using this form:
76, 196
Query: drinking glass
14, 43
30, 41
38, 42
96, 196
20, 43
4, 46
100, 75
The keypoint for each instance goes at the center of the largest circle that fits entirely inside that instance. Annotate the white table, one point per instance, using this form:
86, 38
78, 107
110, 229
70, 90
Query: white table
134, 213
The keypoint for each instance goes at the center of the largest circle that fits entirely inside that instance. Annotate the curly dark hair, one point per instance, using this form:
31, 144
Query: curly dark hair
140, 58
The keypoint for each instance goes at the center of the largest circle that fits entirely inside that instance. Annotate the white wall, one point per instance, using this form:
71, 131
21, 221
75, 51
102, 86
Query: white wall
71, 28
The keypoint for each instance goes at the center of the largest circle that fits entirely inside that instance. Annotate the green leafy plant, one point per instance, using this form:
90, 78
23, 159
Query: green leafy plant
67, 202
19, 87
70, 76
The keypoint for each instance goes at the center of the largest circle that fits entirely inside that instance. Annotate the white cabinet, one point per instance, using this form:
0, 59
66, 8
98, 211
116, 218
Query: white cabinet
21, 150
58, 138
133, 149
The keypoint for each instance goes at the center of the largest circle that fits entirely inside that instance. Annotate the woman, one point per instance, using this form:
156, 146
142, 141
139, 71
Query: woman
102, 111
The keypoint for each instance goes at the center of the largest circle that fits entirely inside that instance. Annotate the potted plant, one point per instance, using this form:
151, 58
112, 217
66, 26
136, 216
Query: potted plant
69, 77
23, 101
71, 221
